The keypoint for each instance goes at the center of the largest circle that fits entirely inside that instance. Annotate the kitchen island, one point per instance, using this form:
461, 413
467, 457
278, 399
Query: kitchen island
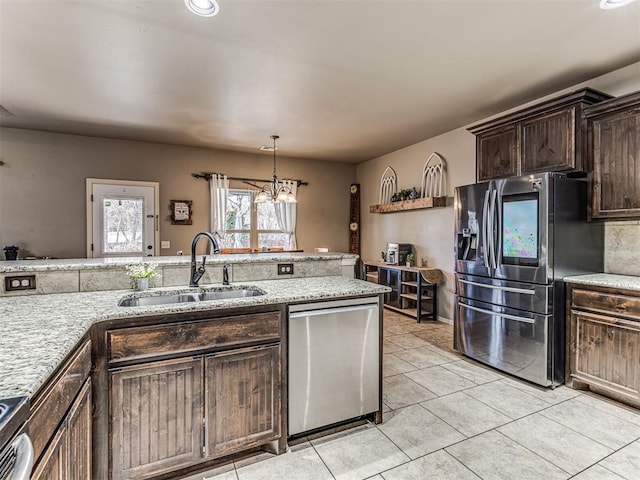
42, 335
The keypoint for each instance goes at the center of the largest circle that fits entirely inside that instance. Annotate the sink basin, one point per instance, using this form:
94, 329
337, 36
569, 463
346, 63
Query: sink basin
189, 297
158, 300
222, 294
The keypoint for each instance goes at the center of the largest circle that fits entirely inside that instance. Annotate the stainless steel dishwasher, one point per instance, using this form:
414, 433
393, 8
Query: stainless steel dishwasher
334, 362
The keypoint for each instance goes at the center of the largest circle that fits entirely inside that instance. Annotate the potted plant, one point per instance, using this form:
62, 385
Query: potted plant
11, 252
140, 273
409, 259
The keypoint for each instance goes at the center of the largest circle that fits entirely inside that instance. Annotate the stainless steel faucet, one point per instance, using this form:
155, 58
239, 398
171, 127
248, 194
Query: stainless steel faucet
197, 273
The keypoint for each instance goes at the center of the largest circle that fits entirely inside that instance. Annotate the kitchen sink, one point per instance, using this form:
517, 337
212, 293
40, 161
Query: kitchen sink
170, 298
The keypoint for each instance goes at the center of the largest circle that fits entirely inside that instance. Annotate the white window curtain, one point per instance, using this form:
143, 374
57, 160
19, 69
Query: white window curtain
286, 214
218, 191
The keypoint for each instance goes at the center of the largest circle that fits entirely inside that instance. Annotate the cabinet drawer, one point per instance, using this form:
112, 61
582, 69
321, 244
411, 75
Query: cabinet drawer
50, 408
610, 303
144, 342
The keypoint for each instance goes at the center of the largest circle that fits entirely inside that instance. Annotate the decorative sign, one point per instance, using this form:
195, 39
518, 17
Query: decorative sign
181, 212
354, 219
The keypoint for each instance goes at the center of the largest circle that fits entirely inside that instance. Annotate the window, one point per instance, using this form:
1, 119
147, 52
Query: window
251, 225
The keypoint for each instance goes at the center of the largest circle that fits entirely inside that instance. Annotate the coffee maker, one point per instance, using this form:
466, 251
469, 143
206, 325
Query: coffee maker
397, 253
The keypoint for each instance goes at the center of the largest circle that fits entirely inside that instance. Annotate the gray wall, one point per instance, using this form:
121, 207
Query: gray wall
431, 231
42, 188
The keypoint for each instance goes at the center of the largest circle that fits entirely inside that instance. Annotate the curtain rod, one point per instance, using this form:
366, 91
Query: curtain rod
207, 176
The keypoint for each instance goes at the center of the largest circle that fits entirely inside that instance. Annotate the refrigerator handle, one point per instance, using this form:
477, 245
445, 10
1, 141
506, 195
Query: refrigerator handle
497, 226
498, 314
492, 230
485, 221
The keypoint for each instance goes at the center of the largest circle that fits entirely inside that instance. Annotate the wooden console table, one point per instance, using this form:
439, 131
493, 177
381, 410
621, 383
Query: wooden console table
414, 290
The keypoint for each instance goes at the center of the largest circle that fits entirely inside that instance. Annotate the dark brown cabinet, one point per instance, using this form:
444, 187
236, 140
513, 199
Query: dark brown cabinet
498, 153
550, 136
242, 399
185, 390
604, 342
54, 463
60, 423
157, 417
68, 456
615, 149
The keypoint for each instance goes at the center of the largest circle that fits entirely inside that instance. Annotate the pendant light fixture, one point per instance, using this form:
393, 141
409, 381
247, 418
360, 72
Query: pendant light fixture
275, 191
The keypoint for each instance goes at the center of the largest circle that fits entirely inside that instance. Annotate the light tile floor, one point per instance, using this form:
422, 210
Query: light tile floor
449, 418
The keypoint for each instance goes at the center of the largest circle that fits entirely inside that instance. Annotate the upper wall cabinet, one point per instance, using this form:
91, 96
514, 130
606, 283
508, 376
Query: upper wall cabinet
548, 137
615, 148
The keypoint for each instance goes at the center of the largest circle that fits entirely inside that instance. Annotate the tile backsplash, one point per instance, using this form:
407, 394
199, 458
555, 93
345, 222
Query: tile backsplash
622, 247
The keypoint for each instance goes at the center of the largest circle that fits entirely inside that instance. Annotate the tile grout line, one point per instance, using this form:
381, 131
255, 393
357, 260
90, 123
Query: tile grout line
321, 459
576, 431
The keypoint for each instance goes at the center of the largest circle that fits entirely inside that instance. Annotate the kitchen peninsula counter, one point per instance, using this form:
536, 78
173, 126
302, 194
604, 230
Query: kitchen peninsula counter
39, 331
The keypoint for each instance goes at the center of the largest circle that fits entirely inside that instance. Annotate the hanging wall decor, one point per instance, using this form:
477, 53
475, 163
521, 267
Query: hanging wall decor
432, 193
354, 219
433, 177
181, 212
388, 184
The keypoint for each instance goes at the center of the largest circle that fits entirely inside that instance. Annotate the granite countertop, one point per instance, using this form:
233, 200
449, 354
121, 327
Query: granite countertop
38, 332
102, 263
627, 282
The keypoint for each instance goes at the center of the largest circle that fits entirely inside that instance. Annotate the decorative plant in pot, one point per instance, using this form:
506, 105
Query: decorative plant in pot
140, 274
410, 258
11, 252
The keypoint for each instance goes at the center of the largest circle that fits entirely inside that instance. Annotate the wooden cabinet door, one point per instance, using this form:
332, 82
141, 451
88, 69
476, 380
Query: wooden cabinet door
616, 156
243, 399
549, 143
68, 457
53, 463
156, 413
605, 351
79, 436
498, 153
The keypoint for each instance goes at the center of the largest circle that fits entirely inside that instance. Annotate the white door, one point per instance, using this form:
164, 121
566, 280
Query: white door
122, 219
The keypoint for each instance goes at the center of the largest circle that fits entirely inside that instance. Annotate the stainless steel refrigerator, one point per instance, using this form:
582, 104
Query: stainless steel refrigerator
515, 241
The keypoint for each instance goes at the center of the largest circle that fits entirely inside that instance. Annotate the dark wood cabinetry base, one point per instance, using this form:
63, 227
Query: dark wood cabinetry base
604, 342
179, 393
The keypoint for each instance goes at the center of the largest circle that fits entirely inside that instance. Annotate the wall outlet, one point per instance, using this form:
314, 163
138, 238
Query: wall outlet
165, 244
285, 269
21, 282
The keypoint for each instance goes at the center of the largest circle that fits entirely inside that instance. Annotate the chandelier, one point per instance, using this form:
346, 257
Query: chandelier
275, 191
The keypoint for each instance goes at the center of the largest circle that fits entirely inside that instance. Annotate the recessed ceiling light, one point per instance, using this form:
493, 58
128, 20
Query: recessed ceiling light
204, 8
610, 4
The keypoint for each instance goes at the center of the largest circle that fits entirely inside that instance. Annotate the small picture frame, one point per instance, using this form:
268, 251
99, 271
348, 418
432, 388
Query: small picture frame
181, 212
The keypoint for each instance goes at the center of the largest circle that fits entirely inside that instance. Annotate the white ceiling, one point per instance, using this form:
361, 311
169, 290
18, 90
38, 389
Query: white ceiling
344, 80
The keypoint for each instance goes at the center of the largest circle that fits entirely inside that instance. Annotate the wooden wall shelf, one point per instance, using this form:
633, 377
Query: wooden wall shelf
417, 204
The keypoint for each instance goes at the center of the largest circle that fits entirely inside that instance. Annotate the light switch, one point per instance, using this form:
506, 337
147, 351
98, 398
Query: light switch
165, 244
